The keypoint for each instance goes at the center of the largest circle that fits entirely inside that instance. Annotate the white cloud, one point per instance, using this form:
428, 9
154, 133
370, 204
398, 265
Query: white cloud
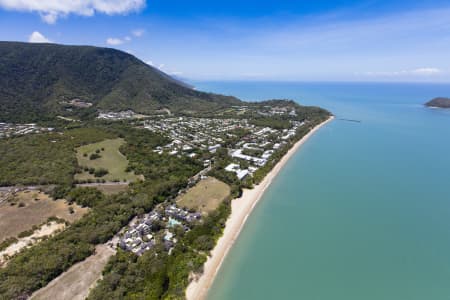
37, 37
175, 73
51, 10
424, 72
398, 46
49, 18
165, 69
120, 41
255, 75
138, 32
114, 41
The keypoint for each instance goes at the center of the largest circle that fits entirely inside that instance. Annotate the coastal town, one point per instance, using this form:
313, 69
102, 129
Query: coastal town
248, 146
244, 145
135, 194
159, 226
207, 150
228, 151
201, 138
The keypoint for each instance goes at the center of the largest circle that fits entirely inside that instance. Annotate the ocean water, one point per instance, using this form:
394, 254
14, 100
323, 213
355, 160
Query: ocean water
361, 212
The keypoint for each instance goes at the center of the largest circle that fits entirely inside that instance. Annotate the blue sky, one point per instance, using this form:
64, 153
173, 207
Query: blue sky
340, 40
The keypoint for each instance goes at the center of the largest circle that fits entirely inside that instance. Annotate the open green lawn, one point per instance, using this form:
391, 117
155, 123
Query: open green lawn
205, 196
110, 159
108, 188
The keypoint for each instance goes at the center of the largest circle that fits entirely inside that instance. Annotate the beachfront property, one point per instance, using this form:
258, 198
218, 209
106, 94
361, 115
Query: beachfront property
157, 227
237, 153
241, 174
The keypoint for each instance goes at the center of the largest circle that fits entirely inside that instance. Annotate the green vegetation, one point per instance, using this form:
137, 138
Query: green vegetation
252, 152
111, 165
100, 172
111, 189
85, 197
44, 158
161, 276
32, 89
8, 242
273, 122
94, 156
34, 267
28, 232
57, 157
312, 115
37, 82
221, 161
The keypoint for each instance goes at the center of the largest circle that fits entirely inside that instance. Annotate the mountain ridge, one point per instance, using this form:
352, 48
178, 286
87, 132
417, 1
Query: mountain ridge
36, 78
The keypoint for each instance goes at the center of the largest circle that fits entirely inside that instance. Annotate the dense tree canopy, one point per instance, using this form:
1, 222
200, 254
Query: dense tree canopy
34, 267
44, 158
36, 80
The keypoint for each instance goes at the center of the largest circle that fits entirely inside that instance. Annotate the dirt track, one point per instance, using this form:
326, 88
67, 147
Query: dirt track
78, 280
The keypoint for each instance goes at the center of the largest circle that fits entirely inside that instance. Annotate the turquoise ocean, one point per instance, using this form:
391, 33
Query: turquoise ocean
361, 212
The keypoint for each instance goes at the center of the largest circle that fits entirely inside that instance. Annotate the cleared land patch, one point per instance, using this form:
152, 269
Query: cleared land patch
205, 196
104, 155
76, 282
32, 208
45, 230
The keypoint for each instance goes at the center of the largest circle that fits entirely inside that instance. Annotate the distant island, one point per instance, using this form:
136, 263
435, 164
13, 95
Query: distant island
439, 102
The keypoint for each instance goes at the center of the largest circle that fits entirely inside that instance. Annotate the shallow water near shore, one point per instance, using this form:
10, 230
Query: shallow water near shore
362, 211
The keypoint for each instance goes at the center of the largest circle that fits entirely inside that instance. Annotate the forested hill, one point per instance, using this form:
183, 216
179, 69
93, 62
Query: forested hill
36, 78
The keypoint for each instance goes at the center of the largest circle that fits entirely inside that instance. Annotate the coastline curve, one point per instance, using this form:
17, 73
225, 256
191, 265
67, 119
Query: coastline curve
240, 211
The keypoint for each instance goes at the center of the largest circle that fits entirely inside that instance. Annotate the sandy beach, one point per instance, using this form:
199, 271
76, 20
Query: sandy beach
240, 210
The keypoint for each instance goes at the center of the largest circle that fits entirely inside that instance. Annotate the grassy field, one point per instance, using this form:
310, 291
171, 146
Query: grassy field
110, 159
205, 196
33, 208
112, 189
108, 188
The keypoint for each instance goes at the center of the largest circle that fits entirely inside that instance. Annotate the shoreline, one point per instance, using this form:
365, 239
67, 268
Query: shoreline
240, 210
